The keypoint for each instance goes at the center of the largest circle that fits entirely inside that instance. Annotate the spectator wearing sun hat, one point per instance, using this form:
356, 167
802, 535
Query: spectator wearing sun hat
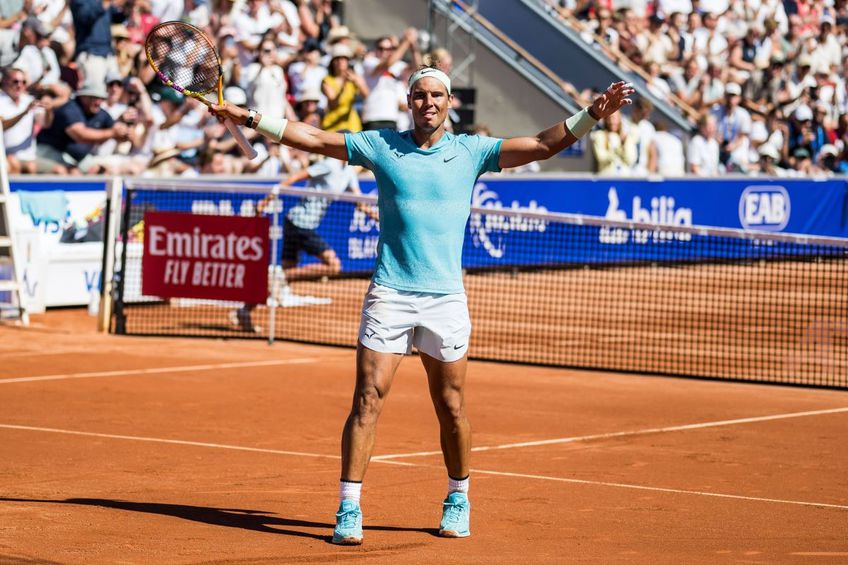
734, 129
769, 161
308, 108
341, 87
77, 127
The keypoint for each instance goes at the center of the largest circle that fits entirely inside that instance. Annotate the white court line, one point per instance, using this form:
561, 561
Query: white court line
171, 441
479, 471
625, 434
159, 370
660, 489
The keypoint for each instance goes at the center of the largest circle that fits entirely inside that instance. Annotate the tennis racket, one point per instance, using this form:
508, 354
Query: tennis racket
185, 59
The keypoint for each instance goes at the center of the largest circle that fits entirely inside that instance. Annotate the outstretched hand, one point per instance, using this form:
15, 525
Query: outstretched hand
611, 101
229, 111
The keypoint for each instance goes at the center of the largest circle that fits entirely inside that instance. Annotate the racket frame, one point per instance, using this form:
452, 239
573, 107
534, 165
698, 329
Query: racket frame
234, 130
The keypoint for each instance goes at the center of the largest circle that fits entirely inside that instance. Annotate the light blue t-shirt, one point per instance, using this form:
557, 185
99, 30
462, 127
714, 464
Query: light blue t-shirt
424, 202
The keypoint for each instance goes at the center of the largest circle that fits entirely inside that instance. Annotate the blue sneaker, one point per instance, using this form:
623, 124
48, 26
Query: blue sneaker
456, 515
348, 524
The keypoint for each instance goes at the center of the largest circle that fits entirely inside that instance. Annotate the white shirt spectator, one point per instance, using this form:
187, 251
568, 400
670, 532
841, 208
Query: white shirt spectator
670, 160
645, 132
289, 40
40, 64
639, 7
18, 139
199, 16
266, 89
668, 7
251, 30
385, 90
703, 154
291, 15
659, 87
302, 78
711, 45
828, 52
732, 125
685, 88
659, 49
47, 11
9, 36
716, 7
167, 10
772, 9
714, 90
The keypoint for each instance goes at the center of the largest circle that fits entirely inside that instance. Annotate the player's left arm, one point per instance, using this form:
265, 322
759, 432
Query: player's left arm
518, 151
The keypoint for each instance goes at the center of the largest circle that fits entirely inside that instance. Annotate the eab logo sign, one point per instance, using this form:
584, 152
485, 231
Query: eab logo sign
764, 208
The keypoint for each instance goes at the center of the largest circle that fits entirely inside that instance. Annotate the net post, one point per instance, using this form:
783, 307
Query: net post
275, 236
110, 240
120, 315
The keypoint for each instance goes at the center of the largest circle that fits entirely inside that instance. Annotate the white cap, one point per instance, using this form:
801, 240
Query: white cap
828, 149
733, 88
768, 150
803, 113
235, 95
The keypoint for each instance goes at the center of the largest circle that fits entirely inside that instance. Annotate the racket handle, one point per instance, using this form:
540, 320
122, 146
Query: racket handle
242, 141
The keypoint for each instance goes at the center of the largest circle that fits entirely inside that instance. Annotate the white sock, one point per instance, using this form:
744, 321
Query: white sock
350, 490
458, 485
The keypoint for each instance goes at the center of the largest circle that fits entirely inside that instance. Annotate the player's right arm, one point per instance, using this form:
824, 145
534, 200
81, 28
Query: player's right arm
294, 134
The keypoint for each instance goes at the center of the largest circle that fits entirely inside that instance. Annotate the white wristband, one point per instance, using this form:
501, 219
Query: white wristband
272, 128
580, 123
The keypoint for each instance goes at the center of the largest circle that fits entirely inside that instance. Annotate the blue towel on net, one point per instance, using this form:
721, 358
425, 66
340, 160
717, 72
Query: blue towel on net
44, 206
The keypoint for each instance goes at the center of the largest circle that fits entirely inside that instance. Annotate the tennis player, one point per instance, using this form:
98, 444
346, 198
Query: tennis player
425, 178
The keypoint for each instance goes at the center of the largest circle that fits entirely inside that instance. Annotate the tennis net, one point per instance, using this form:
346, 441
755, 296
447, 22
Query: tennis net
544, 288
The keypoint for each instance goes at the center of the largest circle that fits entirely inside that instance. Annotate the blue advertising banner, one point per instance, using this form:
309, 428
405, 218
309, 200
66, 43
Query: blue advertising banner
805, 206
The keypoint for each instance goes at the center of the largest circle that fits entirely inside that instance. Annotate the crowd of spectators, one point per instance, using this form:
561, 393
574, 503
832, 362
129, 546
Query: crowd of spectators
78, 97
763, 79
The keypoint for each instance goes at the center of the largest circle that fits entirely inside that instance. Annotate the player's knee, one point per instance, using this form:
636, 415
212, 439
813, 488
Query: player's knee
369, 403
450, 410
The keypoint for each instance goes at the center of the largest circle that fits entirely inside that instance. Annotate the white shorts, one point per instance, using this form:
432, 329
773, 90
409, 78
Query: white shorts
395, 320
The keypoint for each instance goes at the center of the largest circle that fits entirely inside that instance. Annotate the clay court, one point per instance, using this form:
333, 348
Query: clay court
163, 450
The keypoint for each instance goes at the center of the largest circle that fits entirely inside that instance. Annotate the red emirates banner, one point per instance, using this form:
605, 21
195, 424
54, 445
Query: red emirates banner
212, 257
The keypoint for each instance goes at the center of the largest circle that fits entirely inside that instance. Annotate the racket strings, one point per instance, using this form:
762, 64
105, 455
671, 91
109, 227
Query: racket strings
184, 56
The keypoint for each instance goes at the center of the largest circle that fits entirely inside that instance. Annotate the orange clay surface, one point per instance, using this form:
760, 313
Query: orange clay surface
149, 450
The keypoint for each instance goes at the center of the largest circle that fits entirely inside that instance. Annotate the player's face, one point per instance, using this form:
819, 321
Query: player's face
429, 102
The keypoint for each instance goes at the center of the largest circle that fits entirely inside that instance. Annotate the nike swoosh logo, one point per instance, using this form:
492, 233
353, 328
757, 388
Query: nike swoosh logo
459, 346
450, 158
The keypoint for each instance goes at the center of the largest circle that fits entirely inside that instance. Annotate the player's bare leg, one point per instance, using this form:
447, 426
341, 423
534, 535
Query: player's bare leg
374, 374
447, 390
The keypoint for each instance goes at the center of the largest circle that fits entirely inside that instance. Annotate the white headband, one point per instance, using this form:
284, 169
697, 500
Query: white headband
430, 72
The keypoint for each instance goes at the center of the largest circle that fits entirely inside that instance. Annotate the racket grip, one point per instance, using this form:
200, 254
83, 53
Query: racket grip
242, 141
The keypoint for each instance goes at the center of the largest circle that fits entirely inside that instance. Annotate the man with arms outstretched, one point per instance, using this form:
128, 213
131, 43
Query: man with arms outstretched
424, 178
